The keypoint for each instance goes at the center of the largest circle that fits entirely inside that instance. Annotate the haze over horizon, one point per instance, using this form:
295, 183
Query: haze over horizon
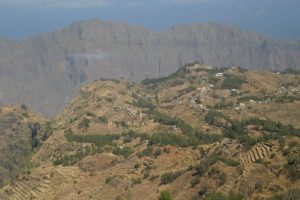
23, 18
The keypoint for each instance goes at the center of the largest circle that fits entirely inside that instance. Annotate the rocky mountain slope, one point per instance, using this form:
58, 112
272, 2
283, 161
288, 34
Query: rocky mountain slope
200, 133
46, 70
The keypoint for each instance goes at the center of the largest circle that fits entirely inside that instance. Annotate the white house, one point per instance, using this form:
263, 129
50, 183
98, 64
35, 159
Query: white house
219, 74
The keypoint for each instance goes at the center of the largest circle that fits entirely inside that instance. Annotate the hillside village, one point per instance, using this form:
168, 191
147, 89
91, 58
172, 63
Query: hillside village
200, 133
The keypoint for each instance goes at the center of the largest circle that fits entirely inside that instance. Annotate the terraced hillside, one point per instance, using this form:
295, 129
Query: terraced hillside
200, 133
21, 134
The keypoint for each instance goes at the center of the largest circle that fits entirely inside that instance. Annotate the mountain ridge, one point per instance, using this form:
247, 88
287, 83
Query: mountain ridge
46, 70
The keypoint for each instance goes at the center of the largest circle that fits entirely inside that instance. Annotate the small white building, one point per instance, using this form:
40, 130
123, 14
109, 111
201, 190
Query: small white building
219, 74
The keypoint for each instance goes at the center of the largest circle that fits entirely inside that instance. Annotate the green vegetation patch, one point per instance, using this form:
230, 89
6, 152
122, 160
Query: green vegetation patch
143, 103
126, 151
99, 140
165, 195
205, 165
169, 177
239, 129
71, 159
85, 123
221, 196
293, 193
232, 82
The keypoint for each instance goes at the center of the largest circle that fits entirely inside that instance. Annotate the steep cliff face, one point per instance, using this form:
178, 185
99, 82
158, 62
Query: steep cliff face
45, 71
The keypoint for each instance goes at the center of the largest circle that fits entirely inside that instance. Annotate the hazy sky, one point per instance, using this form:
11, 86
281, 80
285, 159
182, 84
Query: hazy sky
279, 18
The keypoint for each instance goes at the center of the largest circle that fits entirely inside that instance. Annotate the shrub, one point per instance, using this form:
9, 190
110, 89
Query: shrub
221, 196
103, 119
90, 114
127, 139
126, 151
48, 131
71, 159
230, 162
137, 165
293, 166
163, 119
241, 69
136, 180
215, 196
109, 99
165, 195
281, 141
142, 103
213, 118
108, 179
203, 190
157, 153
23, 107
122, 124
195, 181
223, 105
146, 175
205, 165
170, 177
129, 85
290, 71
186, 91
289, 195
153, 177
85, 123
177, 82
146, 152
232, 82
